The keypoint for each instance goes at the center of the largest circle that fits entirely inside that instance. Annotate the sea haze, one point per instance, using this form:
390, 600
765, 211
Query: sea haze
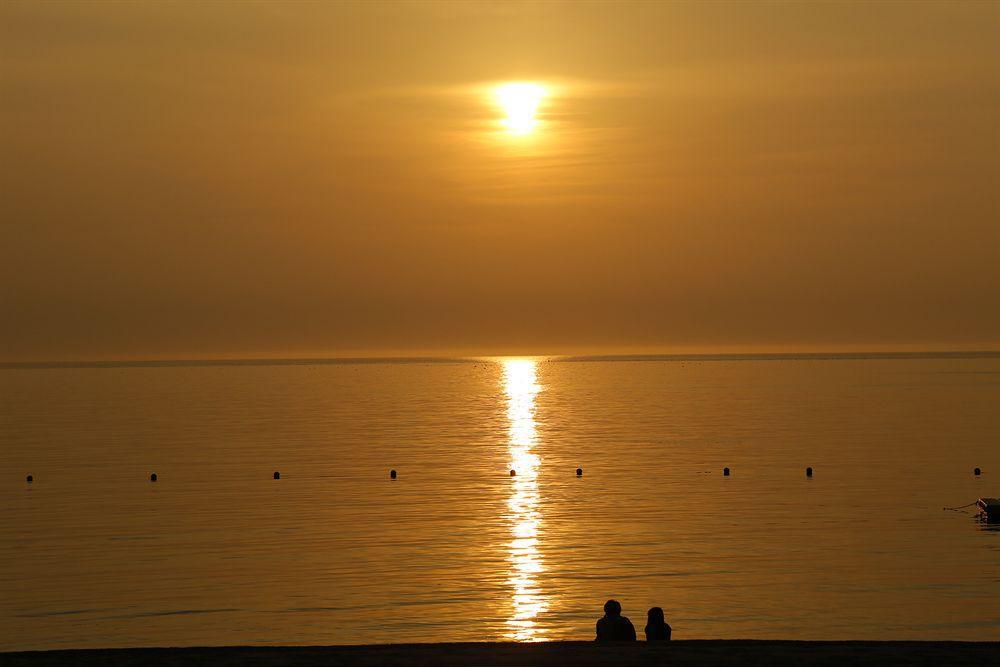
216, 552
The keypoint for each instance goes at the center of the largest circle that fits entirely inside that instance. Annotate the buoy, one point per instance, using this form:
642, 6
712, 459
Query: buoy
977, 472
512, 472
152, 478
725, 472
579, 472
809, 472
29, 479
392, 474
277, 475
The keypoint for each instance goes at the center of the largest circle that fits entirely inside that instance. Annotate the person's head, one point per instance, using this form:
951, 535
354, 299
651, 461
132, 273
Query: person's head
655, 616
612, 608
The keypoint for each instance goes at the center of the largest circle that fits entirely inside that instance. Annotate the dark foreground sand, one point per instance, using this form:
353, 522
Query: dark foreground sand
690, 652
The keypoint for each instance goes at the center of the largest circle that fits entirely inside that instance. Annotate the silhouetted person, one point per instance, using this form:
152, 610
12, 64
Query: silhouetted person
613, 627
657, 629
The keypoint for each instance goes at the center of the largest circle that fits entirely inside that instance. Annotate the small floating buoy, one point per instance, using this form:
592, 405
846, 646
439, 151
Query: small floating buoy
579, 472
277, 475
392, 474
977, 472
725, 472
512, 472
152, 478
809, 472
29, 479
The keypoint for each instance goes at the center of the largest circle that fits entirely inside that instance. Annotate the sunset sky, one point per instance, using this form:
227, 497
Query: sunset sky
233, 179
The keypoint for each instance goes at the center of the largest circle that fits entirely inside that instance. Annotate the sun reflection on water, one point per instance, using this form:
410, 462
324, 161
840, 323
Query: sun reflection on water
521, 386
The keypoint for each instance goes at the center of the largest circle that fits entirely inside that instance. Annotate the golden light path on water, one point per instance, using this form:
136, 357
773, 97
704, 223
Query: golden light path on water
521, 386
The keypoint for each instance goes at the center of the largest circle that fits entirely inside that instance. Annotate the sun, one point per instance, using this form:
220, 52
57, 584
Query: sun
520, 102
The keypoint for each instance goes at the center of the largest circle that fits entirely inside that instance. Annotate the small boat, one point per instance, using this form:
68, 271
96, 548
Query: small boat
989, 508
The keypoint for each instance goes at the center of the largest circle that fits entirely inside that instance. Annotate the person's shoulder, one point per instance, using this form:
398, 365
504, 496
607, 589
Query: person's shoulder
626, 619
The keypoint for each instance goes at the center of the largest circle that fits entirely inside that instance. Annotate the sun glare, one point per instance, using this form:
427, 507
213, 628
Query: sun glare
520, 384
520, 101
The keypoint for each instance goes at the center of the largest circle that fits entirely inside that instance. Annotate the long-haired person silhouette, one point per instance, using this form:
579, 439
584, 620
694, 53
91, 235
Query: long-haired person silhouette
657, 628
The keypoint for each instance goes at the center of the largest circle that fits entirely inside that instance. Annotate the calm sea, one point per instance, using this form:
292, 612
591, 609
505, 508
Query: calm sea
217, 552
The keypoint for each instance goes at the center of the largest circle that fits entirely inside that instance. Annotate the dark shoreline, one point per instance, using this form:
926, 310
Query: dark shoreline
486, 654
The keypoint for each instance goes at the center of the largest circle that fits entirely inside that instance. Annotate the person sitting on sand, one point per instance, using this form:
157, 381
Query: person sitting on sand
657, 629
613, 627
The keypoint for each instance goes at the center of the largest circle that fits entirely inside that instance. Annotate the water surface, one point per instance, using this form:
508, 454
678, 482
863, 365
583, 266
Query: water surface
217, 552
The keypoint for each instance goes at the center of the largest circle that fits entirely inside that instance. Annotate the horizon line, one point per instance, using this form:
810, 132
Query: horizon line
468, 359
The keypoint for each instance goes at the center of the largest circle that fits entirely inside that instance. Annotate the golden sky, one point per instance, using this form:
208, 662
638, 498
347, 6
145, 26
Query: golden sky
234, 179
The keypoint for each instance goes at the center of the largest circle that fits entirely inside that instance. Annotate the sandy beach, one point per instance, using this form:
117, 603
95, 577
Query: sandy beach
690, 652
